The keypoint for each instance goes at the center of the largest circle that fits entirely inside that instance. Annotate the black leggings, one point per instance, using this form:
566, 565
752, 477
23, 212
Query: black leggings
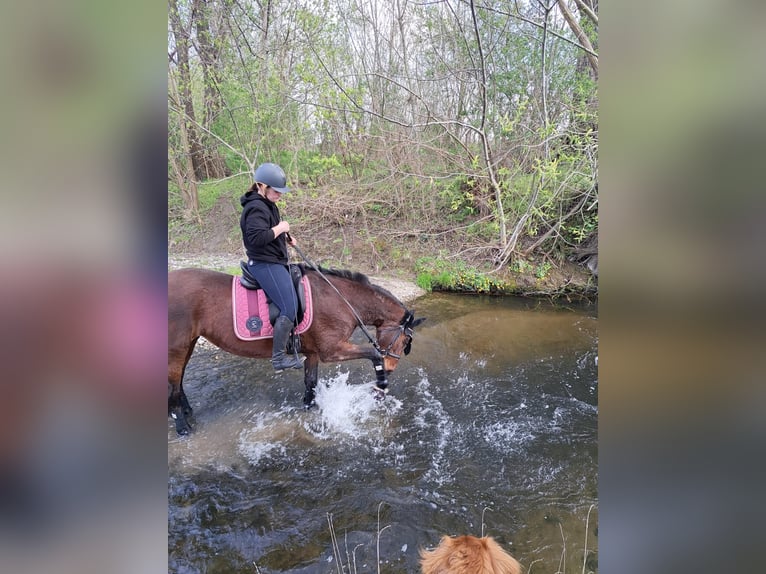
275, 279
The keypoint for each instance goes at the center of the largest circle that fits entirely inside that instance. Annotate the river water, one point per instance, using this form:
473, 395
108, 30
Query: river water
490, 428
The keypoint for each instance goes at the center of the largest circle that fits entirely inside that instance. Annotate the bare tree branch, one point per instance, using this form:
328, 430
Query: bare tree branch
581, 36
587, 48
585, 9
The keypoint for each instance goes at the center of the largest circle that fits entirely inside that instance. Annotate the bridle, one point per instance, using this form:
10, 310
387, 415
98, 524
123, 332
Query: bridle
403, 328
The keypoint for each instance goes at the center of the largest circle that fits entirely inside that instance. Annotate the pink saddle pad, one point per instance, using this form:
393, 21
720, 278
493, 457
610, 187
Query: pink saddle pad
249, 303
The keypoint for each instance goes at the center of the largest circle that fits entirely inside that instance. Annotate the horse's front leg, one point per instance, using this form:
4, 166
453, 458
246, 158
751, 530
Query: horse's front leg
348, 351
310, 377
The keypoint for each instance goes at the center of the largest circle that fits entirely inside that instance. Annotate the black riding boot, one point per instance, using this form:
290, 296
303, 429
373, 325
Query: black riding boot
279, 358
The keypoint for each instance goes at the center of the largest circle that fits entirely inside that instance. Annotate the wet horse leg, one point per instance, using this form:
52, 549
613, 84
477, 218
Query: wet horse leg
349, 351
187, 408
310, 377
178, 405
175, 408
346, 351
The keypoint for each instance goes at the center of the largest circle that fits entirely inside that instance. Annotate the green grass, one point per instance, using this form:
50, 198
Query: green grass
438, 274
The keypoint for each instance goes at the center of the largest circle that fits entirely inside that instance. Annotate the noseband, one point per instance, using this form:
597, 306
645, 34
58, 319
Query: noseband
403, 328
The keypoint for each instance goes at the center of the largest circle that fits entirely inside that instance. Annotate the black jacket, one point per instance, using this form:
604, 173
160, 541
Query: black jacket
259, 215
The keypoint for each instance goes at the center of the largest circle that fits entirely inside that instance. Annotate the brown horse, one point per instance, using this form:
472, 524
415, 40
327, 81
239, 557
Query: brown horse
199, 305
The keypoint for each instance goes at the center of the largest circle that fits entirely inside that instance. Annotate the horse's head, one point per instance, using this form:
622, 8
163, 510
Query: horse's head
395, 341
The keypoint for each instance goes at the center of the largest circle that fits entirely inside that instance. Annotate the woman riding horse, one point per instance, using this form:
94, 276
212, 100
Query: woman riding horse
266, 237
200, 305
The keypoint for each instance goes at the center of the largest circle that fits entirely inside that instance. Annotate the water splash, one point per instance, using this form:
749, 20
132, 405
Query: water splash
343, 410
264, 438
433, 415
507, 435
350, 409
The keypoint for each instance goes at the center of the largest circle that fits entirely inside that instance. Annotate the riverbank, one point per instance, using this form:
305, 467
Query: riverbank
405, 291
409, 282
450, 260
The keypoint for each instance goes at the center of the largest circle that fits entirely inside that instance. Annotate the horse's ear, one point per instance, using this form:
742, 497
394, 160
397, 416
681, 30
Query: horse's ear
409, 320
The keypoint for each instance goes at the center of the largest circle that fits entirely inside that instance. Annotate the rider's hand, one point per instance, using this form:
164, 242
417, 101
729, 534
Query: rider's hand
281, 227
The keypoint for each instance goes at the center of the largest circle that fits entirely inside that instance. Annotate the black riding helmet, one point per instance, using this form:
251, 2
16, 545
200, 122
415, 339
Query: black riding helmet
273, 176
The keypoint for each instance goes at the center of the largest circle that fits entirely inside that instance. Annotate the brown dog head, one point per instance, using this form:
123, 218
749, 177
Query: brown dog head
468, 555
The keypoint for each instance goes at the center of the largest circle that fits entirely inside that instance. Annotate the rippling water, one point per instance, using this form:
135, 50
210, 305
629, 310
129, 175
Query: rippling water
490, 427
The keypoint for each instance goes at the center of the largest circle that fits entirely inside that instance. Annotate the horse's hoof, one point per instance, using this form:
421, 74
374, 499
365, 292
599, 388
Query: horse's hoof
308, 406
380, 394
182, 427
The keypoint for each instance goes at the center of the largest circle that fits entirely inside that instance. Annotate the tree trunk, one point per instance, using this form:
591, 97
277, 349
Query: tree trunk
183, 168
209, 50
195, 148
188, 187
580, 35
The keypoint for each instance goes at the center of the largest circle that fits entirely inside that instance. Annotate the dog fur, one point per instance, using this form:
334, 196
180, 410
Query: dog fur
468, 555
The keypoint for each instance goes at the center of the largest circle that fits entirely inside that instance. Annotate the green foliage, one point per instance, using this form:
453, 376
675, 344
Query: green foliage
581, 228
483, 230
424, 281
442, 275
208, 195
311, 96
175, 201
510, 120
520, 266
318, 169
516, 189
457, 195
542, 270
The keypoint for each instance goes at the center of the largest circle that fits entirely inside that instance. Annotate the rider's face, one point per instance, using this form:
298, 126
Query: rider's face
271, 194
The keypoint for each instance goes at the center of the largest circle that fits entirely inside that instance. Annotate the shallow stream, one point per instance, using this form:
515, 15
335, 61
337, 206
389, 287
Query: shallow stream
490, 428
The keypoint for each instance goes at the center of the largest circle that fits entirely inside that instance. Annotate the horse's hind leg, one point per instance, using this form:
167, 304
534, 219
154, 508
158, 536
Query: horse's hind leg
187, 409
310, 376
178, 405
175, 408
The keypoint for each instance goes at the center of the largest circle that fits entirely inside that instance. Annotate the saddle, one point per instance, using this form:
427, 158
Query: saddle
254, 314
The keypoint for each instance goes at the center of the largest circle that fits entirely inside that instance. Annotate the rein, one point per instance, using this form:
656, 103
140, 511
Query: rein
370, 338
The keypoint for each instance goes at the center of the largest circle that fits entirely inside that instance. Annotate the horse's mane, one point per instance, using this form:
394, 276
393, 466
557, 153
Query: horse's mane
346, 274
354, 276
